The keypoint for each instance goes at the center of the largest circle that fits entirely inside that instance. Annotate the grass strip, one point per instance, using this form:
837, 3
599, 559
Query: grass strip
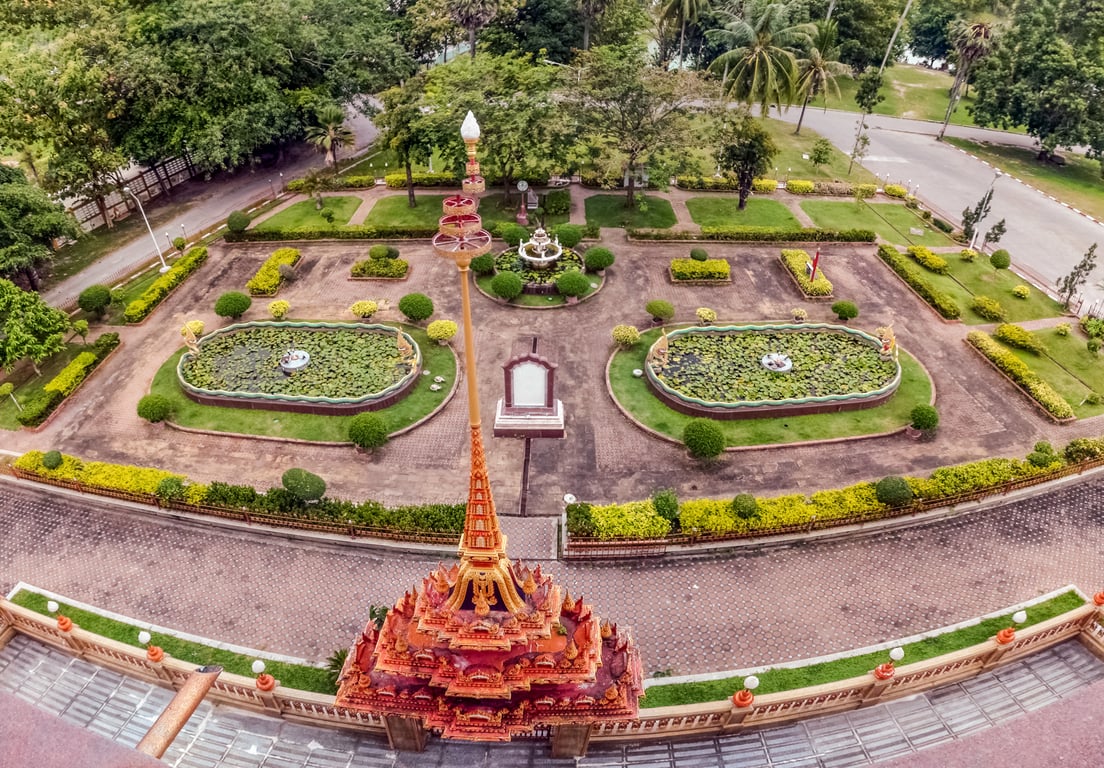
775, 680
297, 676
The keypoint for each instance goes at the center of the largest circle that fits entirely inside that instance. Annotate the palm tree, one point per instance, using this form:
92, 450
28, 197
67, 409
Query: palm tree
314, 183
760, 67
473, 15
683, 12
817, 72
972, 42
330, 133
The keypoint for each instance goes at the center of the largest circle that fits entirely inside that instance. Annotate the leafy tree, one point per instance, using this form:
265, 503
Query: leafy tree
821, 153
759, 66
972, 42
472, 16
314, 183
427, 27
404, 129
818, 69
867, 97
544, 29
591, 11
29, 327
330, 133
80, 327
681, 13
972, 217
29, 222
631, 112
929, 38
1068, 285
865, 27
747, 150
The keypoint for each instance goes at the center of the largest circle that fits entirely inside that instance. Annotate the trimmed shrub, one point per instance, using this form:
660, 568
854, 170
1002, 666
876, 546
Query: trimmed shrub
398, 180
1016, 336
1063, 329
699, 254
364, 309
710, 269
795, 260
745, 506
238, 222
893, 491
1018, 371
170, 489
703, 439
381, 251
941, 302
507, 285
660, 310
557, 202
968, 254
1021, 291
279, 309
441, 330
352, 232
764, 186
928, 260
95, 299
706, 315
232, 304
71, 376
155, 408
138, 309
836, 188
1001, 259
416, 306
1093, 345
195, 326
759, 235
666, 505
579, 521
1043, 455
625, 335
845, 310
1084, 449
865, 191
304, 485
597, 259
800, 187
573, 283
569, 235
987, 308
37, 408
482, 265
895, 190
943, 226
634, 519
368, 430
512, 233
924, 417
267, 280
385, 267
51, 459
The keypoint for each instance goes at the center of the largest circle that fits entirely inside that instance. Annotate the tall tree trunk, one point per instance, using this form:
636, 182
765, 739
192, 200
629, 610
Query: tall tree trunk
630, 202
33, 280
682, 41
471, 42
801, 117
951, 103
411, 201
108, 220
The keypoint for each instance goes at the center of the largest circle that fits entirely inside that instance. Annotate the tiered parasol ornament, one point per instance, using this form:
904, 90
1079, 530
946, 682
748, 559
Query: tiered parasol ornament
488, 649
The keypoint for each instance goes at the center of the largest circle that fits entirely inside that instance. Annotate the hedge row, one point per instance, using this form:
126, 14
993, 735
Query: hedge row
1017, 370
138, 309
433, 518
942, 303
394, 268
38, 408
795, 260
927, 259
760, 235
691, 269
361, 232
268, 278
696, 517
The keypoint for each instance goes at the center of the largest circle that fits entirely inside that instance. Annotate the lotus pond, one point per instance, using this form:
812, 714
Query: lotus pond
346, 360
724, 365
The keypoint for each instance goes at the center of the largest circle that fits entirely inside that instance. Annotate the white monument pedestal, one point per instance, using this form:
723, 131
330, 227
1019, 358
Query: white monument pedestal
529, 408
529, 424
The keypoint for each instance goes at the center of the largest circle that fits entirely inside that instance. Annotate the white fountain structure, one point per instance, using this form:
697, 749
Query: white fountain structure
540, 251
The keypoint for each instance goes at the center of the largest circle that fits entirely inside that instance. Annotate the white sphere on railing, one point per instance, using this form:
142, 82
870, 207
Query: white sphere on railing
1019, 617
144, 637
258, 667
52, 606
897, 654
751, 682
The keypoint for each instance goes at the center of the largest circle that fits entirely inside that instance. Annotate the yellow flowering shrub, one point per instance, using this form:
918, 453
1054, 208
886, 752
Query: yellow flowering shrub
709, 516
71, 376
195, 493
636, 519
117, 477
845, 502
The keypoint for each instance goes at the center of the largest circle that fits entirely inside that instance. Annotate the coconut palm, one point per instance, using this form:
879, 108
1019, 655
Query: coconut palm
759, 65
330, 133
473, 15
818, 70
683, 12
972, 42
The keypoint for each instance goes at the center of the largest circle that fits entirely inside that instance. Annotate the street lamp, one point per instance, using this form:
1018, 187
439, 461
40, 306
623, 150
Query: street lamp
184, 233
1008, 634
987, 197
745, 697
157, 247
271, 188
886, 671
153, 652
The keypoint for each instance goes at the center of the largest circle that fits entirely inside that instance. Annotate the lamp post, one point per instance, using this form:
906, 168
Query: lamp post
157, 247
153, 652
986, 198
272, 188
265, 681
745, 697
1008, 634
886, 671
168, 239
184, 233
64, 623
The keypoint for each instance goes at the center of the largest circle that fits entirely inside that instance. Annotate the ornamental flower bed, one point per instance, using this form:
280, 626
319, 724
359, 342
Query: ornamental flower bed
268, 279
511, 261
1020, 374
794, 261
138, 309
708, 271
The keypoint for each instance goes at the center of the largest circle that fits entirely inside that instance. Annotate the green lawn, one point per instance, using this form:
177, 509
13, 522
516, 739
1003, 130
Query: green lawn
305, 214
1078, 182
27, 385
393, 211
610, 211
790, 163
636, 397
385, 161
439, 360
725, 211
775, 680
1069, 367
965, 280
295, 676
892, 221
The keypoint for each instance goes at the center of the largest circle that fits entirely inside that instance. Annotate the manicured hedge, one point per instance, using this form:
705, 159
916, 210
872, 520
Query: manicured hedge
795, 260
800, 187
942, 303
1017, 370
928, 260
691, 269
37, 409
360, 232
1017, 336
398, 180
895, 190
70, 377
267, 280
138, 309
381, 268
760, 235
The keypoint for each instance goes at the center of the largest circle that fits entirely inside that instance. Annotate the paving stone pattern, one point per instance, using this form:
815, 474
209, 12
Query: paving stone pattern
122, 709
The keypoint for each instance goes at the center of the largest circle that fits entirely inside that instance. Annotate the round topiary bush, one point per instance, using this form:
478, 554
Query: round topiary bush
924, 417
845, 310
238, 221
305, 486
367, 431
745, 506
660, 310
666, 505
625, 335
482, 265
703, 439
1001, 259
170, 489
698, 254
279, 309
416, 306
441, 330
513, 234
573, 283
232, 304
893, 491
364, 309
507, 285
154, 408
597, 259
51, 459
381, 251
569, 235
95, 299
706, 315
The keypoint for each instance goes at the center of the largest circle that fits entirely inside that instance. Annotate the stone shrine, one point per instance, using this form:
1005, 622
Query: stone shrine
529, 407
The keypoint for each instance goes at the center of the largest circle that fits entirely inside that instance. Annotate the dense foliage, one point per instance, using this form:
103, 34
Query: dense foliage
138, 309
416, 306
95, 299
1019, 372
268, 278
941, 302
692, 269
703, 439
368, 431
232, 304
